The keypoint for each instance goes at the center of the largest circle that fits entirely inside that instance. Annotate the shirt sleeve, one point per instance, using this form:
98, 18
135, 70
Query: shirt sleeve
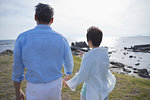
83, 74
18, 67
67, 58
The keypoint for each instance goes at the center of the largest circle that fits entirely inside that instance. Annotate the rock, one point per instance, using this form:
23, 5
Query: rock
82, 46
125, 53
141, 48
143, 73
7, 52
134, 56
137, 64
131, 56
114, 66
140, 57
127, 70
135, 71
134, 68
129, 66
110, 52
138, 60
120, 65
125, 48
122, 73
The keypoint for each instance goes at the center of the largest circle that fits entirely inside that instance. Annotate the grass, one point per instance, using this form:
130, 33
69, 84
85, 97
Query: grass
127, 87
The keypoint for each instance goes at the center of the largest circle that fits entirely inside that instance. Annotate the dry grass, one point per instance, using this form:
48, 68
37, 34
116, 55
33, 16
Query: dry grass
127, 87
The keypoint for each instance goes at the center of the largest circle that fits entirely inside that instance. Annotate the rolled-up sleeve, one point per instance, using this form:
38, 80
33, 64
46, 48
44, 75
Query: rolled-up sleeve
67, 58
18, 67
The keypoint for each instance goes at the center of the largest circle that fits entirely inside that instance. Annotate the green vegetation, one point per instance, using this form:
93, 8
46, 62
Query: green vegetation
127, 87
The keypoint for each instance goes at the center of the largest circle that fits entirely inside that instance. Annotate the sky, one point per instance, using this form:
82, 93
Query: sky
72, 18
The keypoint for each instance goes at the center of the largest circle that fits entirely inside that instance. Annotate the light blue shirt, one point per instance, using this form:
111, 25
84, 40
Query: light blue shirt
43, 52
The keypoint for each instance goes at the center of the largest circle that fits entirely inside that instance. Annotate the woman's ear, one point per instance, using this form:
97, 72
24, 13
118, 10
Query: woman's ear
51, 20
35, 18
90, 43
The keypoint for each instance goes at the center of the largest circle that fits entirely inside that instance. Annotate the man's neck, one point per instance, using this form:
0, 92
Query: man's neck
42, 23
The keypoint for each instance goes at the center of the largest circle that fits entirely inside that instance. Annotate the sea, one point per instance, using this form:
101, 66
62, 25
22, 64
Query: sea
116, 46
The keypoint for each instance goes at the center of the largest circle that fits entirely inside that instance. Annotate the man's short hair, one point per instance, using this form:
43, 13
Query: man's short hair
95, 35
44, 12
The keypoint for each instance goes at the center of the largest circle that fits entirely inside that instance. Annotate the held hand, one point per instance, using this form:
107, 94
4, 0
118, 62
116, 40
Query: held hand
64, 83
67, 77
20, 96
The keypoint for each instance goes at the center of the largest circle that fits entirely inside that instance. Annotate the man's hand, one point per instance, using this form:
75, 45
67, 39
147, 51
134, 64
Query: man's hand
66, 78
20, 96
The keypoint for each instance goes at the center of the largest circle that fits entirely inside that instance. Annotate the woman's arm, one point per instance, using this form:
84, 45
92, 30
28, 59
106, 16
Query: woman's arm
83, 74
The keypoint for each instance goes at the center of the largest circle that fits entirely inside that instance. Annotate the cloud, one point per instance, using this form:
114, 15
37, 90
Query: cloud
73, 17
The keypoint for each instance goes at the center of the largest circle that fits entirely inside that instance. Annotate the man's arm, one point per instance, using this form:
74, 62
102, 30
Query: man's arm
67, 60
18, 70
19, 94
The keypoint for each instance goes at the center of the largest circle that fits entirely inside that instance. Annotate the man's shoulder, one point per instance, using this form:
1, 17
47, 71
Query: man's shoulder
59, 35
24, 34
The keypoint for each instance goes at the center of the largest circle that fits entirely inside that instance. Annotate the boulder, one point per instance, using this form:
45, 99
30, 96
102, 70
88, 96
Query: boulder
7, 52
129, 66
145, 48
115, 66
131, 56
120, 65
134, 68
135, 71
143, 73
126, 70
124, 53
137, 64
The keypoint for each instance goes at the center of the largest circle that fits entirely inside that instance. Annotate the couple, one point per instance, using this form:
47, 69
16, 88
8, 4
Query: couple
42, 51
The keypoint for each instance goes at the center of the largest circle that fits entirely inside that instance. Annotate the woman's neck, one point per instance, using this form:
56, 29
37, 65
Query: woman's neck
94, 47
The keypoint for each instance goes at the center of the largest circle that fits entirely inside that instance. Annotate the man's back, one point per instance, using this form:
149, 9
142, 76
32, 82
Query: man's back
43, 53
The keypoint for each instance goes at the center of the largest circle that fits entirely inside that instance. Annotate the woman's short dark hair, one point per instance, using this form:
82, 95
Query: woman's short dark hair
95, 35
44, 12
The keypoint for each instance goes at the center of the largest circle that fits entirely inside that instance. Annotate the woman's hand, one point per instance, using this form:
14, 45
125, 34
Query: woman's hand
64, 83
66, 78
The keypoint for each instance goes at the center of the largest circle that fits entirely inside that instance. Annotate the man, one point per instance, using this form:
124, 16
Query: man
42, 52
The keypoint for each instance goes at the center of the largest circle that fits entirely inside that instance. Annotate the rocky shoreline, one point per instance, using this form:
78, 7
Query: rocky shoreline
128, 70
117, 67
6, 52
79, 48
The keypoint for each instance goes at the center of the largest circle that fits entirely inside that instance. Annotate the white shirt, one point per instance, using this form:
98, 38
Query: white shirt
95, 73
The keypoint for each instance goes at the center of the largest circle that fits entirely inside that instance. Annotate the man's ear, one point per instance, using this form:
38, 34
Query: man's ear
52, 19
35, 18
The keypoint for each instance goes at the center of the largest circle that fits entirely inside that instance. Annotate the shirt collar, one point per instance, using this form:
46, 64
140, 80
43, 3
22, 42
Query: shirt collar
42, 26
99, 48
